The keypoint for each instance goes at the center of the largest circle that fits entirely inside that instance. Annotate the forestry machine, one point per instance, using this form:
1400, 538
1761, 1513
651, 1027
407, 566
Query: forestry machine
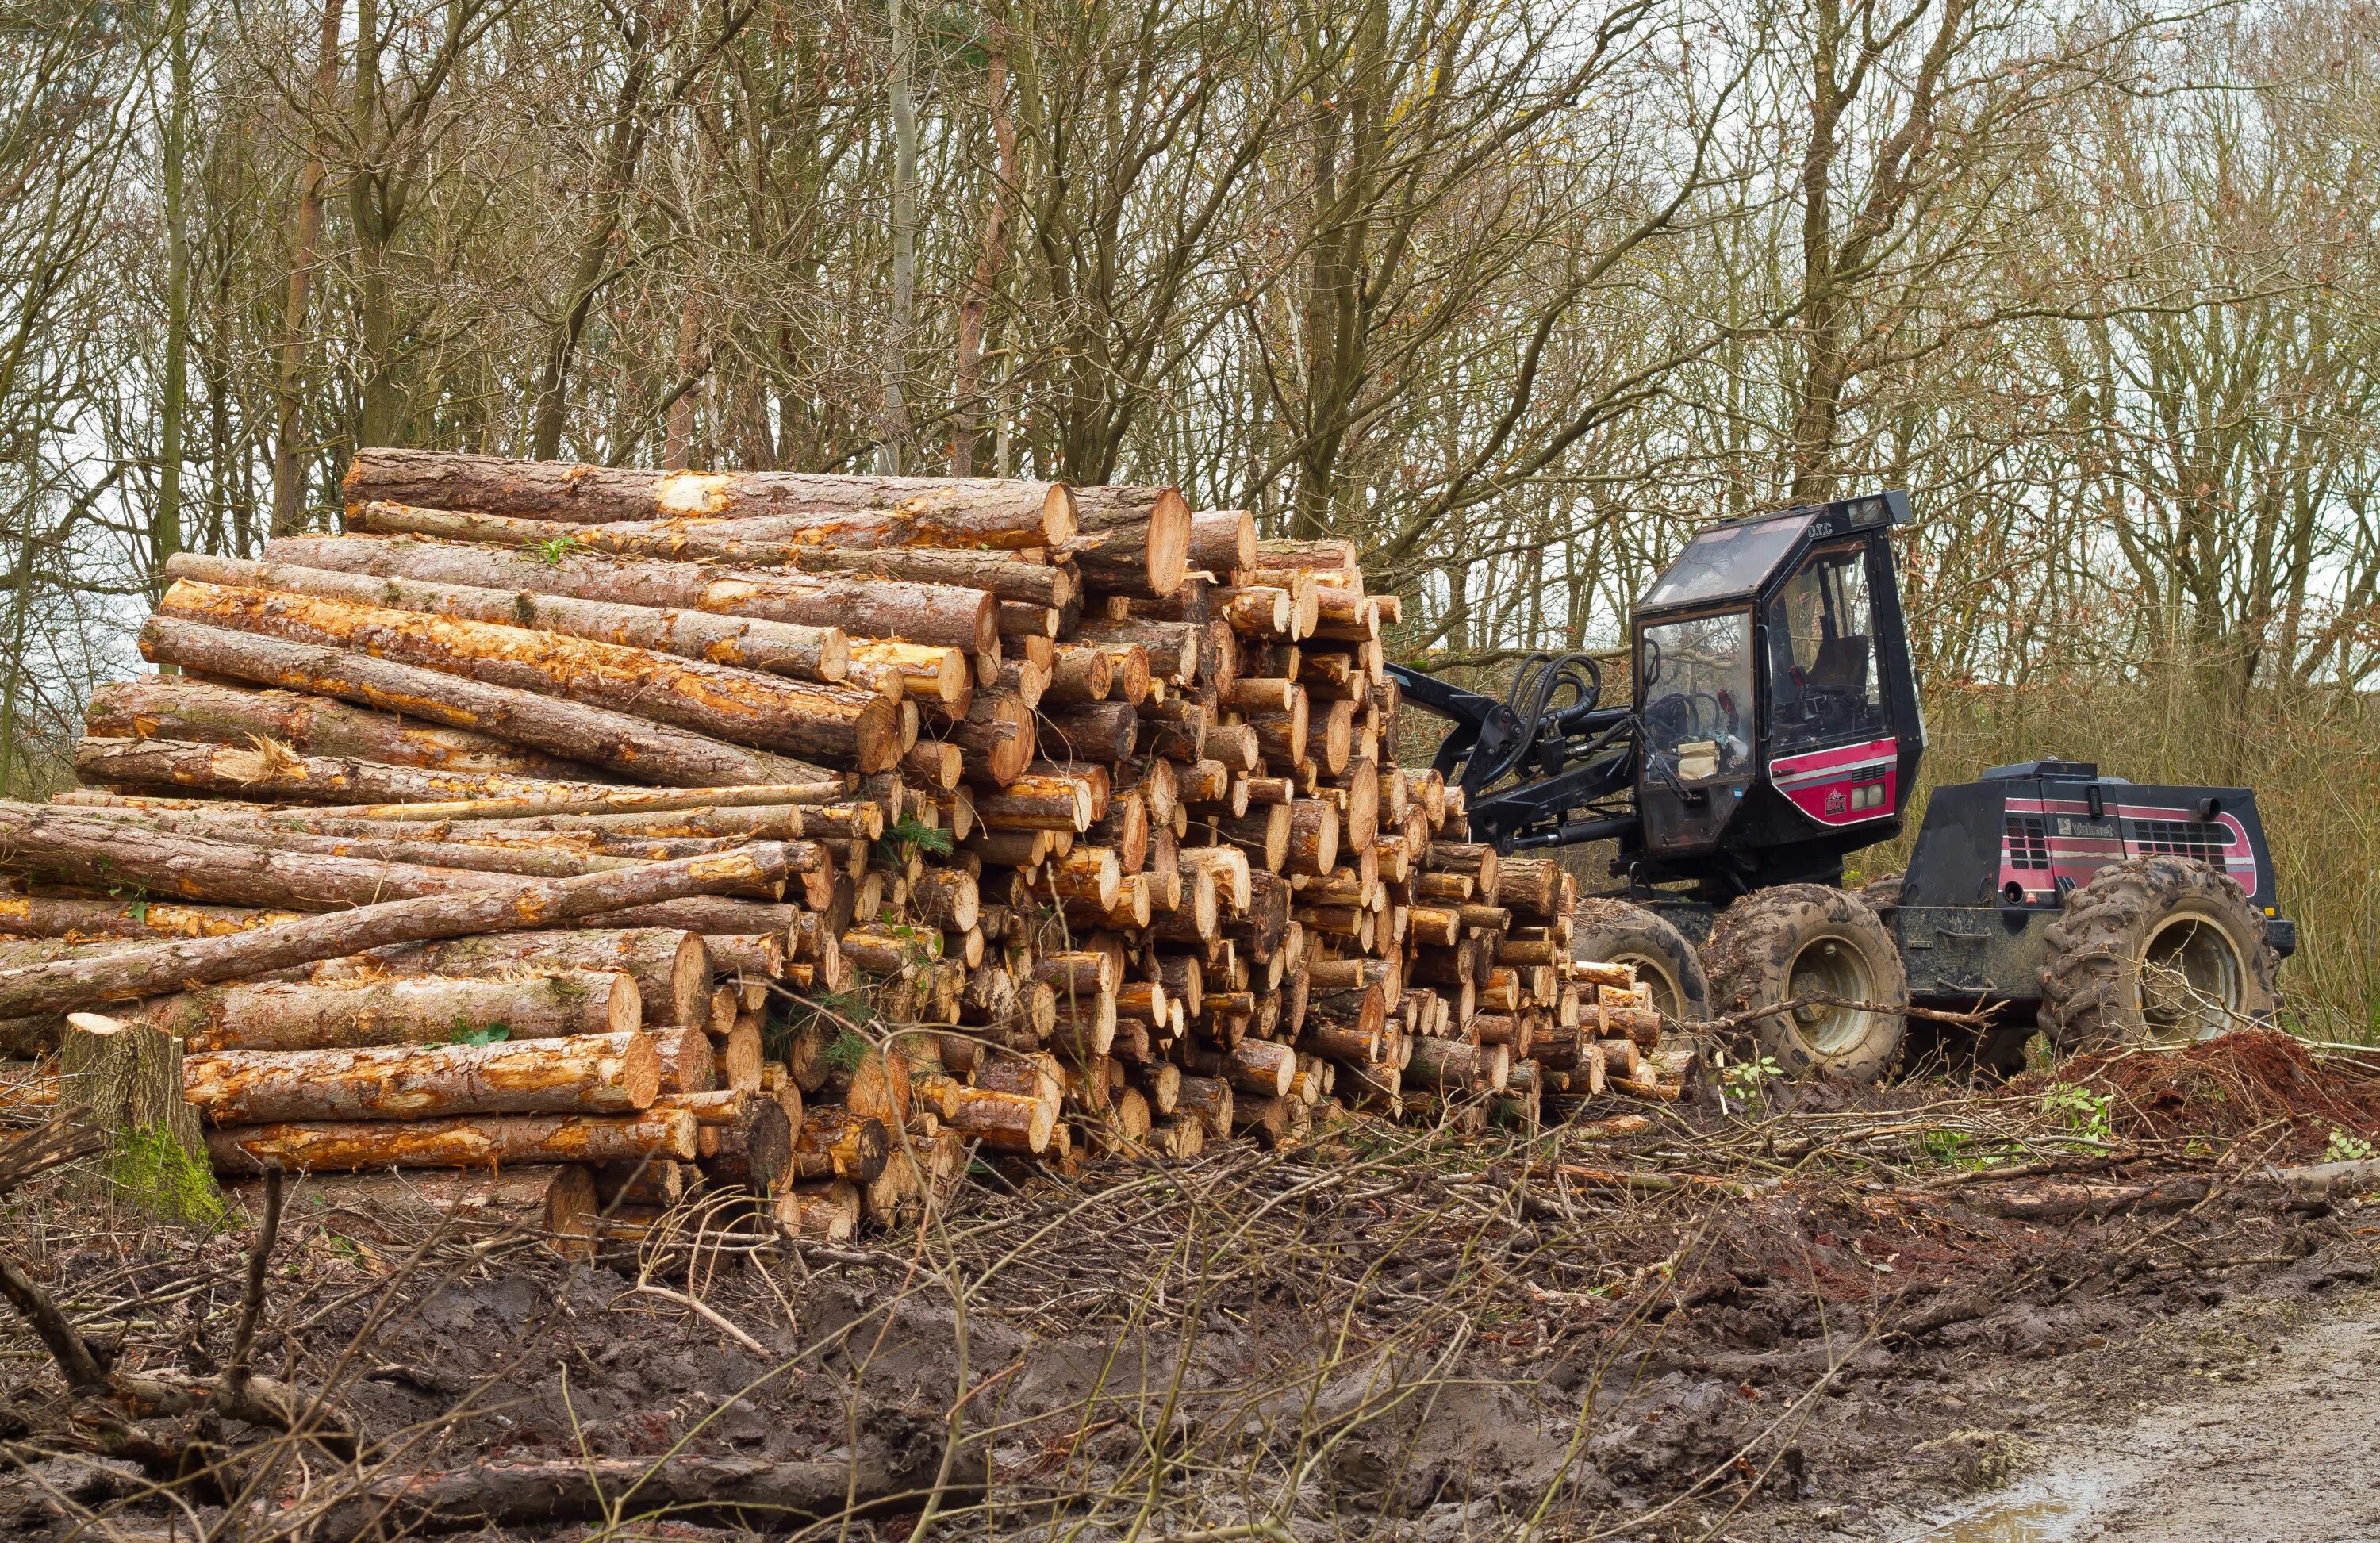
1772, 729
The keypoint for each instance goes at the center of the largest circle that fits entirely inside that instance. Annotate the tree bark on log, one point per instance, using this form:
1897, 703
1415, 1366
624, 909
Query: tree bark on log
588, 1073
1222, 542
556, 1198
270, 772
1134, 540
997, 737
506, 907
742, 706
940, 614
997, 574
812, 653
670, 966
633, 746
329, 1147
175, 707
38, 917
958, 511
836, 1143
420, 1010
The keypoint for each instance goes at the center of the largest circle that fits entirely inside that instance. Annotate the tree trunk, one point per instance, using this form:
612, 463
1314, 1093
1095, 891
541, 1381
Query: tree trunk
742, 706
127, 1080
633, 746
922, 607
422, 1010
505, 906
172, 707
847, 511
588, 1073
811, 653
329, 1147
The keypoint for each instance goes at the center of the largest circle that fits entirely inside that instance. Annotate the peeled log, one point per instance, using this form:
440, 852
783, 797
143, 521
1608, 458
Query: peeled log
814, 653
670, 966
175, 707
633, 746
741, 706
939, 615
425, 1010
1134, 540
324, 1147
829, 510
588, 1073
507, 905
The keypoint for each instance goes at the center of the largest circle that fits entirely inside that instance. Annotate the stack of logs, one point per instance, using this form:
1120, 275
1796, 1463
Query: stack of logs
640, 836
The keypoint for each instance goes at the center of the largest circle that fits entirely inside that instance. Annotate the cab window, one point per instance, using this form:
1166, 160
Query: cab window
1822, 677
1697, 693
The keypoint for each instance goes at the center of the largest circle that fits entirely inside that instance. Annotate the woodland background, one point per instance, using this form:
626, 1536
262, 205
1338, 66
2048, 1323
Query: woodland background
1516, 293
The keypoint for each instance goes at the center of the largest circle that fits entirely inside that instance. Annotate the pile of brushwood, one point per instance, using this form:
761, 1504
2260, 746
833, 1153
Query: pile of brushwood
1672, 1323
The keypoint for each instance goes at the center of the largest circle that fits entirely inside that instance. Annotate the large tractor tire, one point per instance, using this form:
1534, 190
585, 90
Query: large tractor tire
1618, 934
2155, 951
1810, 940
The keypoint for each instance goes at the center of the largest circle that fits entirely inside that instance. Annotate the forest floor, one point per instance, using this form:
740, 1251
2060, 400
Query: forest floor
1835, 1313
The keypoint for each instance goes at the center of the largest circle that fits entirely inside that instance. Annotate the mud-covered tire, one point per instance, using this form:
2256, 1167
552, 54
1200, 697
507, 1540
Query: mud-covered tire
2155, 951
1617, 932
1786, 943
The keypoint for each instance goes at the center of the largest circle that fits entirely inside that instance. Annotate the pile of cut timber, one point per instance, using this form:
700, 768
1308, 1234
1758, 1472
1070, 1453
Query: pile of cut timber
784, 837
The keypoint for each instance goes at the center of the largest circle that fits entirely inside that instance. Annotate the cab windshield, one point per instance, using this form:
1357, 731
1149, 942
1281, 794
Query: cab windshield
1822, 680
1696, 679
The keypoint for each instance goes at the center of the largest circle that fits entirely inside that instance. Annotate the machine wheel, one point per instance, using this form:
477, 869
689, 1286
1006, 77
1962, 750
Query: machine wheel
1618, 934
2155, 951
1801, 940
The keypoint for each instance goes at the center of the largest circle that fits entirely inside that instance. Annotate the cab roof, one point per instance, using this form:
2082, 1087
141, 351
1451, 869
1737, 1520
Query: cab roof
1734, 558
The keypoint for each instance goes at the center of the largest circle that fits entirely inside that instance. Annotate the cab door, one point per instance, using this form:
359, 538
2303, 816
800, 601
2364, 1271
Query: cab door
1832, 741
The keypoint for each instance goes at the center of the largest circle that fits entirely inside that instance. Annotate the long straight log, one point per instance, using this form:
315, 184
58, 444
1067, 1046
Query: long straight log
941, 614
741, 706
422, 1010
269, 772
813, 653
670, 967
346, 1146
40, 917
175, 707
633, 746
588, 1073
826, 510
509, 906
996, 573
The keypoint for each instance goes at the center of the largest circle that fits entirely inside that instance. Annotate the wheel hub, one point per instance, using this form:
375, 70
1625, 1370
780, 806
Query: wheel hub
1829, 968
2190, 980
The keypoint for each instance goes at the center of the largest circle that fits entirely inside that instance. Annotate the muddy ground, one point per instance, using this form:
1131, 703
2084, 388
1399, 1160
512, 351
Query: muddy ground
1830, 1315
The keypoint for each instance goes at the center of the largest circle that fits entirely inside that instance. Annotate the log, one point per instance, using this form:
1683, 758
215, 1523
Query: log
588, 1074
836, 1143
418, 1010
755, 1150
1222, 542
1206, 1101
42, 916
1006, 1122
803, 653
559, 1199
658, 1181
839, 723
1173, 648
827, 1211
633, 746
175, 707
670, 967
687, 1063
1098, 732
1035, 802
937, 615
1081, 673
267, 771
1135, 541
826, 510
997, 735
490, 1141
998, 574
505, 906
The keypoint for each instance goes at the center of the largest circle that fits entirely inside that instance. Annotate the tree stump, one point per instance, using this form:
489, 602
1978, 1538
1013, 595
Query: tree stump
127, 1079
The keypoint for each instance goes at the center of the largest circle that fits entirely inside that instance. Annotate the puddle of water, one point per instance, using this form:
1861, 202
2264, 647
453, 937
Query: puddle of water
2015, 1521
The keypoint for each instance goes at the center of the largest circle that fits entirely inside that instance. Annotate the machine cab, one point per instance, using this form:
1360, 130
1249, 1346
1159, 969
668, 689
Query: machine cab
1772, 681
